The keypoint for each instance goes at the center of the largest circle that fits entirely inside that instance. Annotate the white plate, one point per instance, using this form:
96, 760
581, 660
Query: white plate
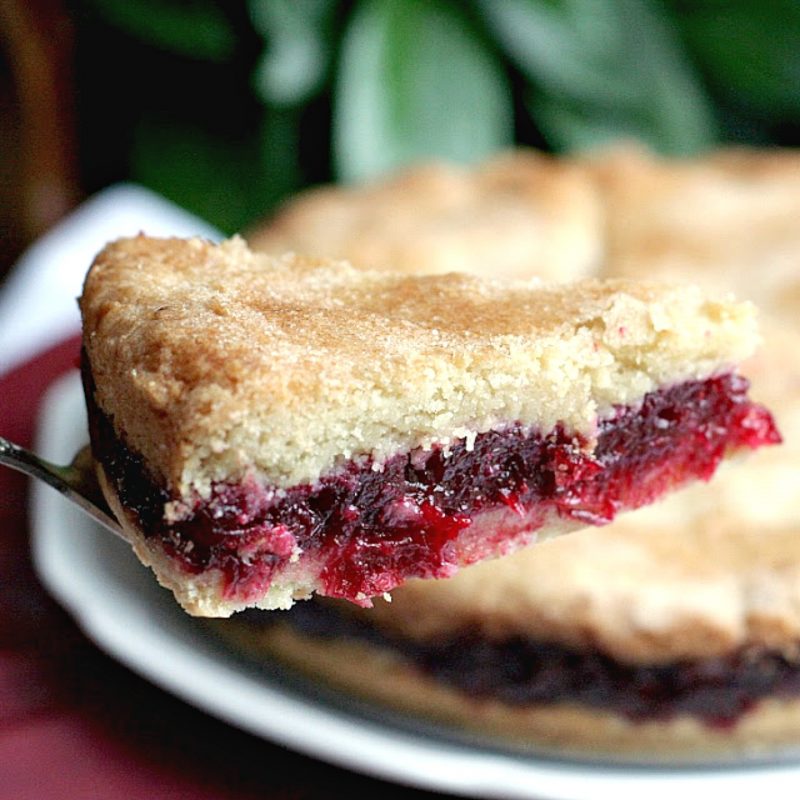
119, 605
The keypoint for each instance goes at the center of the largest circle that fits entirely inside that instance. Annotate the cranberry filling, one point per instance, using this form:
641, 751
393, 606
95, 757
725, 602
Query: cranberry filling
369, 530
519, 672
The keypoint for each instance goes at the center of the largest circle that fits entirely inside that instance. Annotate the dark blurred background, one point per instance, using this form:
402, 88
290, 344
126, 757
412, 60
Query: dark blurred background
228, 107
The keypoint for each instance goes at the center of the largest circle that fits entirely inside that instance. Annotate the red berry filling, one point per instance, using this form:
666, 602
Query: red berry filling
520, 672
367, 530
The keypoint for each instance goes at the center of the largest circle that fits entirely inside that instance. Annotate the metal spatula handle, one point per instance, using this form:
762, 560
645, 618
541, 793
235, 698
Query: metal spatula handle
75, 481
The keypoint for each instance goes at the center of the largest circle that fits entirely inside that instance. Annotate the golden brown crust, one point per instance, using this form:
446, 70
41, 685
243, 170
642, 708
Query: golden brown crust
515, 216
385, 677
215, 363
728, 219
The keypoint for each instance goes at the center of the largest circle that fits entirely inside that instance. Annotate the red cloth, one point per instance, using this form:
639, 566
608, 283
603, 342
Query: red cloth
74, 723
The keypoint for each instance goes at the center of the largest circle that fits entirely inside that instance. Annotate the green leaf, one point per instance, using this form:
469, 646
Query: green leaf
415, 81
195, 28
603, 69
299, 43
280, 173
749, 51
228, 183
576, 128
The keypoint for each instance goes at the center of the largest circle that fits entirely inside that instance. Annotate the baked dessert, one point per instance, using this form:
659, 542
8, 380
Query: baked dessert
266, 428
517, 215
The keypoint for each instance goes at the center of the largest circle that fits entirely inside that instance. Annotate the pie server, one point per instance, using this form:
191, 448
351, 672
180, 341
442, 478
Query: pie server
74, 481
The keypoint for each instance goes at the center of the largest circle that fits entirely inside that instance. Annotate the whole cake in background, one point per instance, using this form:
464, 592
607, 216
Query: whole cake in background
673, 633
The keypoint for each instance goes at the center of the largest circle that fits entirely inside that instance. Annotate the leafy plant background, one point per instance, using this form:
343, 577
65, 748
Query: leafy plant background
228, 107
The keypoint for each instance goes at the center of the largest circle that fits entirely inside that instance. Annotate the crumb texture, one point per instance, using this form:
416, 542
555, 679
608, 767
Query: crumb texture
216, 363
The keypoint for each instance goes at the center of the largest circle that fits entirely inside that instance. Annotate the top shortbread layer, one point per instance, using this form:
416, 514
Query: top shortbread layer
515, 216
215, 363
